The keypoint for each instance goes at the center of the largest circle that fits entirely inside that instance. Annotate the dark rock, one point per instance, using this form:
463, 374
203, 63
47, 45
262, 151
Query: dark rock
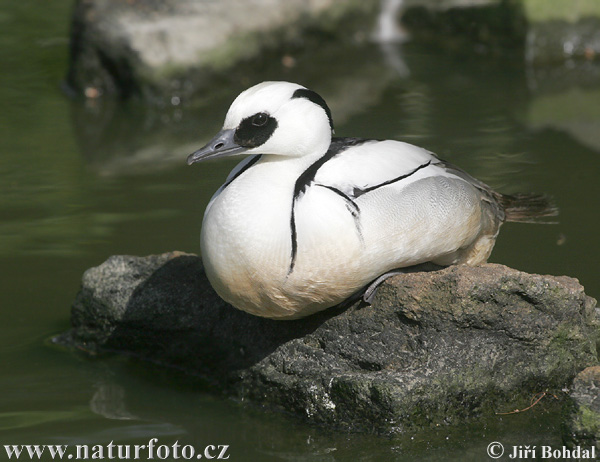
434, 347
582, 426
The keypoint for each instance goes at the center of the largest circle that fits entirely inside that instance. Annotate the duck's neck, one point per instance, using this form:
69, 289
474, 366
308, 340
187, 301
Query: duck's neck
297, 165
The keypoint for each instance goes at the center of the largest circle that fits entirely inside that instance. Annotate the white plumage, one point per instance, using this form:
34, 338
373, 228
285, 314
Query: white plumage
308, 221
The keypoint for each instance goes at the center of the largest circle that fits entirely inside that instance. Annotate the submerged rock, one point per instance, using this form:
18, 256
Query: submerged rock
434, 348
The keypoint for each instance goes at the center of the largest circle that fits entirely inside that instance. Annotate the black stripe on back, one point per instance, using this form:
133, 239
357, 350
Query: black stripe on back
337, 146
359, 192
294, 240
351, 206
348, 199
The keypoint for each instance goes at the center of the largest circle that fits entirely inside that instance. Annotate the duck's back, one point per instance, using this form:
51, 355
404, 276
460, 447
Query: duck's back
413, 207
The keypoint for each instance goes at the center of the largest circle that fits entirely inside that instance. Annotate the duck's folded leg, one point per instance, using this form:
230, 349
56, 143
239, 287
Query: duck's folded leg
369, 292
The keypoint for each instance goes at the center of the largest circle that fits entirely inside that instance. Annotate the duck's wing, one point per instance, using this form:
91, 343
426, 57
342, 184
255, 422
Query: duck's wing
359, 167
354, 167
427, 209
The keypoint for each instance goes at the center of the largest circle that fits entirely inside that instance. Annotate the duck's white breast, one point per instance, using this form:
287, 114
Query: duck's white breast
247, 238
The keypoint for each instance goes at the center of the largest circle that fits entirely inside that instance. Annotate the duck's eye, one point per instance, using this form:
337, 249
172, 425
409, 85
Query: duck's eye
260, 119
255, 130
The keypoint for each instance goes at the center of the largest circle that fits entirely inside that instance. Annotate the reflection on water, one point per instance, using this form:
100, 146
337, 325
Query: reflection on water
167, 405
82, 181
109, 401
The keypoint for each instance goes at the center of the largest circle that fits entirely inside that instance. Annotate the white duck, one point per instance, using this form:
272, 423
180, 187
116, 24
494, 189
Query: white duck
308, 221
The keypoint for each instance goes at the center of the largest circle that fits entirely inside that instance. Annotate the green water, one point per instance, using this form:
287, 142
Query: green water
82, 181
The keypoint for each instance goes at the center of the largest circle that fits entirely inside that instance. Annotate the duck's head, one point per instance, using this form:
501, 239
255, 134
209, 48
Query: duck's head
278, 118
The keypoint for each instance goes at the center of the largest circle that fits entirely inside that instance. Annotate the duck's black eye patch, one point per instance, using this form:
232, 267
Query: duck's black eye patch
255, 130
315, 98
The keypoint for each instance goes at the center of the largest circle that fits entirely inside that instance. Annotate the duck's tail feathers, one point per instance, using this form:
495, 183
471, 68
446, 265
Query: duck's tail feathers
528, 208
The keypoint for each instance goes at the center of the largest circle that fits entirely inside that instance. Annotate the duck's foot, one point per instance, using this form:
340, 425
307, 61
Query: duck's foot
369, 292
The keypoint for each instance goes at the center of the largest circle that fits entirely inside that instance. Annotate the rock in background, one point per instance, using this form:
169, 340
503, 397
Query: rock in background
168, 50
434, 348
